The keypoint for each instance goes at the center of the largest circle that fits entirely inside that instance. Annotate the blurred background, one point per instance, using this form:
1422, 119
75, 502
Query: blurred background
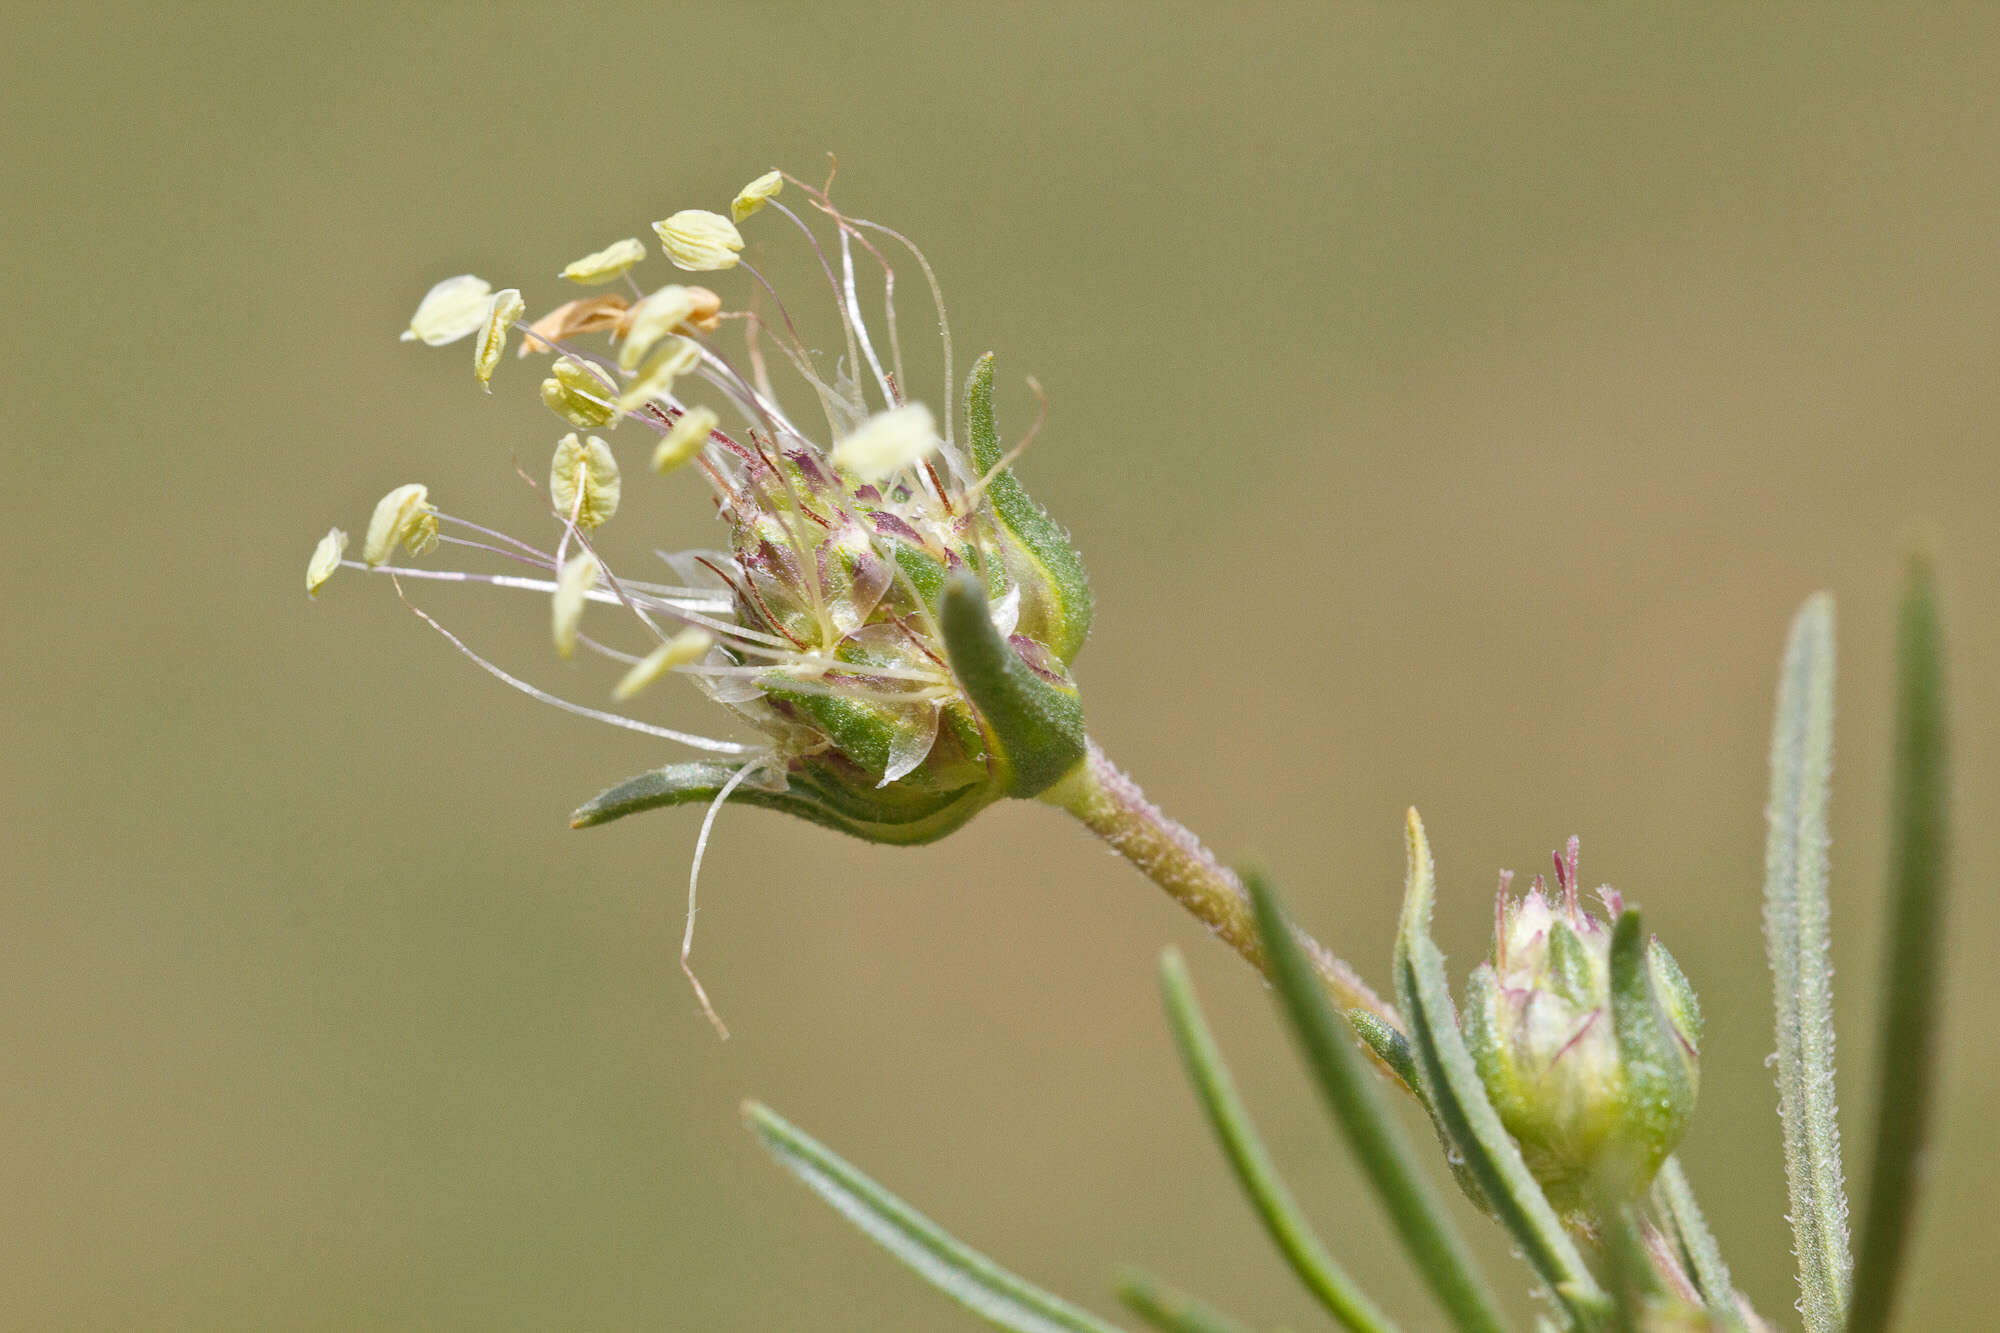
1453, 409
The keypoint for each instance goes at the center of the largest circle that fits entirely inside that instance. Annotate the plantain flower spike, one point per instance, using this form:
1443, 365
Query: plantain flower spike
1587, 1038
886, 632
889, 624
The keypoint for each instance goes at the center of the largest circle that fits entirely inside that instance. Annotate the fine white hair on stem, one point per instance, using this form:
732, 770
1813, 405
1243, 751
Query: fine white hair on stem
598, 714
694, 885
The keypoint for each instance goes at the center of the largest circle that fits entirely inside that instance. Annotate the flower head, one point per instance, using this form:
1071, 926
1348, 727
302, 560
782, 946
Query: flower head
891, 619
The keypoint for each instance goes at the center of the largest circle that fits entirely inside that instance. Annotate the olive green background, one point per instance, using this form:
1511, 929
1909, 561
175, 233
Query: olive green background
1453, 405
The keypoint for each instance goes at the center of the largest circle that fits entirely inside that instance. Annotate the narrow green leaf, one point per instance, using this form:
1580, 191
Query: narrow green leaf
1459, 1100
1365, 1119
1796, 924
1675, 1203
1918, 838
1036, 725
965, 1275
1169, 1310
1633, 1282
1274, 1204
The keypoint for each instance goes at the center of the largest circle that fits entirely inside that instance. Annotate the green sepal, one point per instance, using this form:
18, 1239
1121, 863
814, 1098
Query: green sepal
1659, 1092
925, 574
816, 790
1572, 972
1060, 620
865, 733
1034, 727
1491, 1055
1676, 994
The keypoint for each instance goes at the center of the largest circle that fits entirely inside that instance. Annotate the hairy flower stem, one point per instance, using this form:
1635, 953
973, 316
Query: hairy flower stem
1111, 805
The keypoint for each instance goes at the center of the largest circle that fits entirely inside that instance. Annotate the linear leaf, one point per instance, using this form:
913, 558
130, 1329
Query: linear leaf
1378, 1142
1918, 837
1169, 1310
1275, 1207
1689, 1229
1796, 930
1459, 1100
962, 1273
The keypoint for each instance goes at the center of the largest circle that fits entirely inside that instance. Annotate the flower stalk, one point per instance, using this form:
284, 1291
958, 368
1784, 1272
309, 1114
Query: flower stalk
1112, 806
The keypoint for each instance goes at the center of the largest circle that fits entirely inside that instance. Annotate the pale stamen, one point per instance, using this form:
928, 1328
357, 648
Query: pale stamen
597, 714
694, 884
848, 326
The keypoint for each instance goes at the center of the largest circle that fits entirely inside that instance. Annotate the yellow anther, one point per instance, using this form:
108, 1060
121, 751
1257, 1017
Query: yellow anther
686, 440
653, 319
404, 515
586, 314
580, 393
887, 443
506, 307
690, 645
325, 559
676, 358
449, 311
583, 480
606, 264
753, 196
573, 585
699, 241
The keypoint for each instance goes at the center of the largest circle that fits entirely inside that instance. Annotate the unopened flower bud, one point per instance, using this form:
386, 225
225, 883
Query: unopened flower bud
699, 241
1586, 1036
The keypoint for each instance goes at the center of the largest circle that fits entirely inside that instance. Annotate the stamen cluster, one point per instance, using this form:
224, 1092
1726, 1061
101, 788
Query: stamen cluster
820, 624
